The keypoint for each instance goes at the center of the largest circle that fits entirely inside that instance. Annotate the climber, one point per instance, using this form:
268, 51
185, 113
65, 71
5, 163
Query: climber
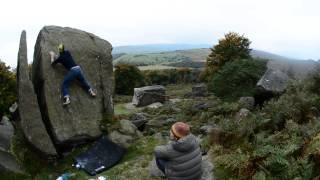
181, 158
75, 72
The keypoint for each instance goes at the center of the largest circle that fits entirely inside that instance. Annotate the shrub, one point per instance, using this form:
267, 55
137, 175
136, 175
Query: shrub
237, 78
232, 47
8, 89
127, 77
171, 76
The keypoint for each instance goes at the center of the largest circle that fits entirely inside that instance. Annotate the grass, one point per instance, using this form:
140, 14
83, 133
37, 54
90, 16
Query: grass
178, 91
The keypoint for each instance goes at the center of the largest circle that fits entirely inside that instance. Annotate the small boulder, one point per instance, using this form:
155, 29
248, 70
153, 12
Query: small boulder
243, 113
246, 102
139, 120
155, 105
207, 129
207, 168
127, 127
199, 90
121, 139
6, 133
149, 94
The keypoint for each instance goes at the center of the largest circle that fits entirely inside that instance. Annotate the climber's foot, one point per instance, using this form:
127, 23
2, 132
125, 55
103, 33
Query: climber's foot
92, 93
66, 100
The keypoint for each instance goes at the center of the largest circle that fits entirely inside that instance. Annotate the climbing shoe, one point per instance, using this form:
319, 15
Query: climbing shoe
92, 93
66, 100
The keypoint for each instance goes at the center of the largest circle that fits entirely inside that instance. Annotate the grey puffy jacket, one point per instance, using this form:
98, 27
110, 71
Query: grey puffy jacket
184, 158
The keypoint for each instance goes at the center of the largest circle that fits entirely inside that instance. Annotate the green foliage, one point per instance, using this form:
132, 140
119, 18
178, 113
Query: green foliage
171, 76
230, 48
280, 141
8, 89
127, 77
237, 78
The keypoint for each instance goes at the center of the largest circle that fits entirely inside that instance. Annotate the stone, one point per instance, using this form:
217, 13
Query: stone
243, 113
6, 134
14, 111
154, 171
149, 94
29, 112
158, 121
207, 168
155, 105
206, 129
246, 102
9, 163
127, 127
139, 120
199, 90
280, 72
202, 106
121, 139
80, 120
13, 108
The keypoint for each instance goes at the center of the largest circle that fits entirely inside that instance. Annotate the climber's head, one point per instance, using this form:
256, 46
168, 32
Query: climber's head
60, 48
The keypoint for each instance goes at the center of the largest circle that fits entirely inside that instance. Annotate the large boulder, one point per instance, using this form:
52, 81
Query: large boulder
79, 121
149, 94
29, 112
281, 72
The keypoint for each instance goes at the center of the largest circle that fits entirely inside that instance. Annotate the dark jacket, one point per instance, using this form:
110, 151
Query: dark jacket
184, 158
65, 59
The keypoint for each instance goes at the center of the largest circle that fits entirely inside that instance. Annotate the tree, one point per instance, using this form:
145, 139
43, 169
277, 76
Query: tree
127, 77
232, 47
8, 89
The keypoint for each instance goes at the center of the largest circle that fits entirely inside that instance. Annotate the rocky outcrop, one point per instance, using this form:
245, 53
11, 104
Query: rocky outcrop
149, 94
280, 73
80, 120
29, 112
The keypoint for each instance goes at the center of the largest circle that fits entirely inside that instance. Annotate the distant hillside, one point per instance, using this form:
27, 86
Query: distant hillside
194, 58
156, 48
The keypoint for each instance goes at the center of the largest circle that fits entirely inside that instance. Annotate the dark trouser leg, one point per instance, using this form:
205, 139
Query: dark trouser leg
83, 81
66, 82
161, 164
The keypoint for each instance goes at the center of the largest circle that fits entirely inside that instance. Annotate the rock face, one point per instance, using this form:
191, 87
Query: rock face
80, 120
29, 112
149, 94
6, 134
279, 74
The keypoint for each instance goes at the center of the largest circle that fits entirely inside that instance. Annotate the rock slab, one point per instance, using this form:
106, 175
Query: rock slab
29, 112
149, 94
281, 72
80, 120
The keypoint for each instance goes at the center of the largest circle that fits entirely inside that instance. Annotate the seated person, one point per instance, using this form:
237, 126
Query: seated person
181, 158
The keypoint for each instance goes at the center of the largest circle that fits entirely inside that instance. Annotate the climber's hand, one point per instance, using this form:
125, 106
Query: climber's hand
52, 55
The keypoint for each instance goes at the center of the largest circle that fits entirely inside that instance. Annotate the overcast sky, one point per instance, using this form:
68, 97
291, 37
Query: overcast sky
285, 27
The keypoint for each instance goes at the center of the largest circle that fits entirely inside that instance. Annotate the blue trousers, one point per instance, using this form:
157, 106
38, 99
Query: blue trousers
74, 73
161, 163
